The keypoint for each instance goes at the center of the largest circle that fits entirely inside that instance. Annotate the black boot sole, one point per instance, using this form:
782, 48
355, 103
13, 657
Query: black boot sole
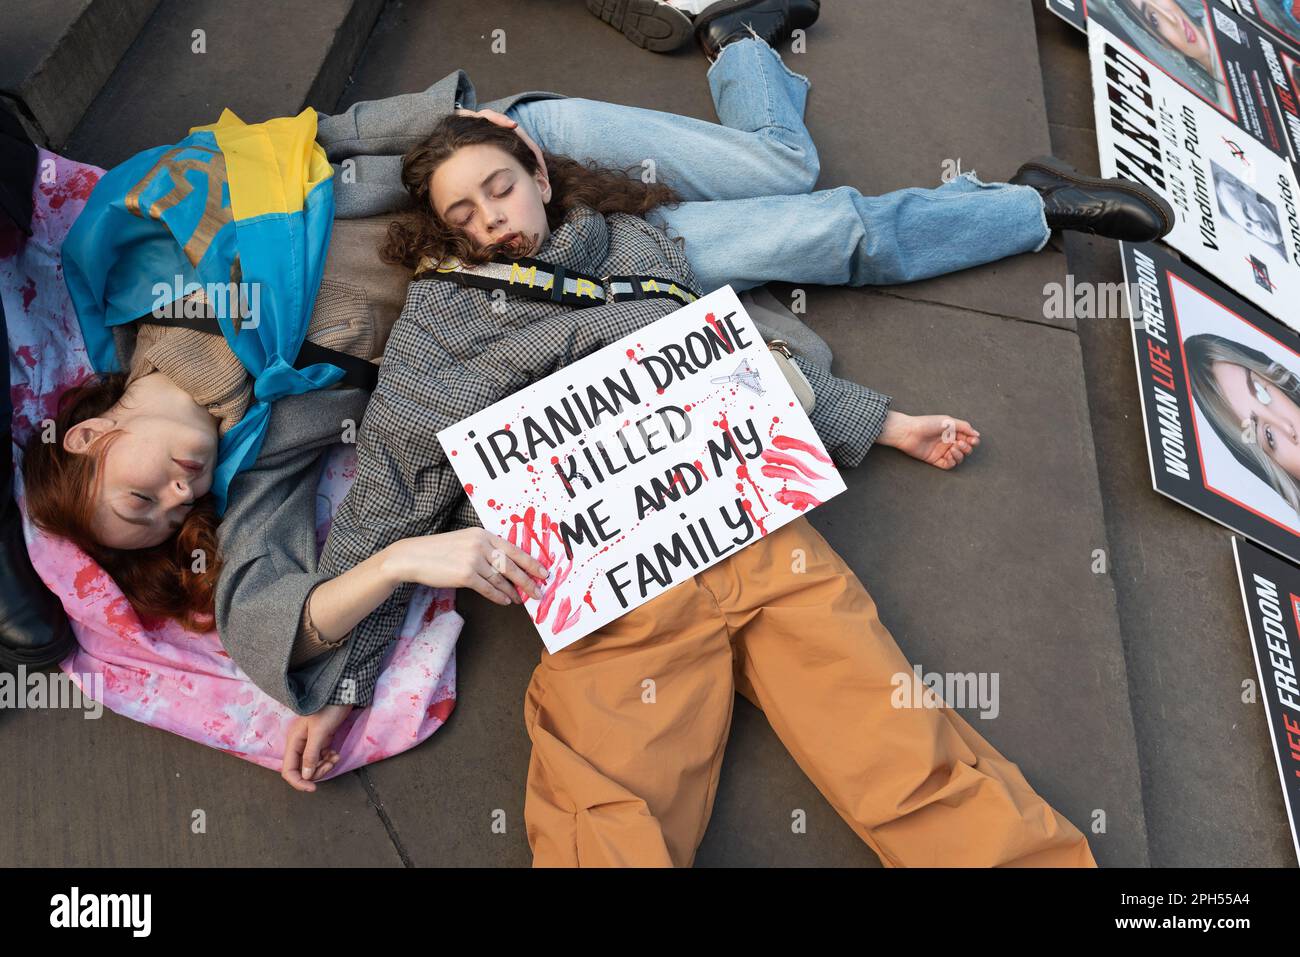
1057, 167
649, 25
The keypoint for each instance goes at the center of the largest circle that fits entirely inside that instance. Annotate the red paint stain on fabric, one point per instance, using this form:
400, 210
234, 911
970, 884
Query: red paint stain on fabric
25, 353
88, 580
440, 709
75, 187
469, 488
28, 289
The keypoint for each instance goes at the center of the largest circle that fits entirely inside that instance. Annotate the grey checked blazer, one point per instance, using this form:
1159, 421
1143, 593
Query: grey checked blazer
451, 355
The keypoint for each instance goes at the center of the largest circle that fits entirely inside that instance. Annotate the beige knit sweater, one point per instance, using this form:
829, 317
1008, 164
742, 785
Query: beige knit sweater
204, 366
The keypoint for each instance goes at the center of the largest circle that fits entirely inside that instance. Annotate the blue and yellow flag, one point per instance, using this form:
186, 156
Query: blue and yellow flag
240, 211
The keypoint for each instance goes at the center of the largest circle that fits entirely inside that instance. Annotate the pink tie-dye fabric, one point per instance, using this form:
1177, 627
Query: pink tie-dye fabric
155, 671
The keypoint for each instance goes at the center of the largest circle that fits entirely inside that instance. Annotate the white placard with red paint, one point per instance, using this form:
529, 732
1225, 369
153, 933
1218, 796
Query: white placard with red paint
643, 463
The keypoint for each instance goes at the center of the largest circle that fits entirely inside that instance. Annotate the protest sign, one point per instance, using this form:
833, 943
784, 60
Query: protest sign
643, 463
1228, 63
1270, 592
1220, 399
1234, 200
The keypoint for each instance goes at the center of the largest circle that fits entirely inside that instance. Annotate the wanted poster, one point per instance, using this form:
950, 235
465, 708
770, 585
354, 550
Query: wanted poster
1270, 593
1234, 199
1225, 62
641, 464
1220, 387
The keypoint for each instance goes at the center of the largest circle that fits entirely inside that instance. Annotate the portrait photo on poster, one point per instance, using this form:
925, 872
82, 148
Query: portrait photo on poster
1220, 388
1249, 211
1177, 36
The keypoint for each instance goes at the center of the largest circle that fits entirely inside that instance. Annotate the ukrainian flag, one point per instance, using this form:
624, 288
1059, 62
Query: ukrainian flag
235, 202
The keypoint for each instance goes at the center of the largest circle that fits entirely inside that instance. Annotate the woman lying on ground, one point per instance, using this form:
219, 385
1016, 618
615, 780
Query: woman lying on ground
611, 781
127, 479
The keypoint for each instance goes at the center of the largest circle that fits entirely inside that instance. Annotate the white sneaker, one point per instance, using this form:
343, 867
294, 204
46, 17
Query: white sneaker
650, 24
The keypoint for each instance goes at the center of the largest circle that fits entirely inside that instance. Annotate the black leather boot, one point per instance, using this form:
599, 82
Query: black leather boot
1114, 208
658, 27
773, 20
34, 630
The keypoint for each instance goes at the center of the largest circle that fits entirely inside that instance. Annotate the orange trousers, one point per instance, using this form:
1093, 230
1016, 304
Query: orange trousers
629, 725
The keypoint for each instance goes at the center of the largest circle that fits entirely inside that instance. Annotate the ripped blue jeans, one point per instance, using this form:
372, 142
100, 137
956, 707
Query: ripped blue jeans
749, 215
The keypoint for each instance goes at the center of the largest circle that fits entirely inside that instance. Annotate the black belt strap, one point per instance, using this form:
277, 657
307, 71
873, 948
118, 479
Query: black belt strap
564, 285
357, 372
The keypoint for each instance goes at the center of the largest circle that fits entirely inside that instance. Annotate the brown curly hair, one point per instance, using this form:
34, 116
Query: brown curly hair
423, 233
60, 491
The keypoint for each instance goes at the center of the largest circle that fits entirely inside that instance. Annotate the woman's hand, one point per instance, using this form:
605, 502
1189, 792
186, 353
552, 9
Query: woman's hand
500, 119
940, 440
468, 558
307, 752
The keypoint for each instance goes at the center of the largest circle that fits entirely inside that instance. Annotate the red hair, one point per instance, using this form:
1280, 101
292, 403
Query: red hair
62, 487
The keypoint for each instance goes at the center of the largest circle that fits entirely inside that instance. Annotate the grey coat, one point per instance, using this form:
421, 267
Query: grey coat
373, 135
268, 543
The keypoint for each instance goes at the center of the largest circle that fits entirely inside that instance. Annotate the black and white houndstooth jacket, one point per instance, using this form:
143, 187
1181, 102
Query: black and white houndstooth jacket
455, 351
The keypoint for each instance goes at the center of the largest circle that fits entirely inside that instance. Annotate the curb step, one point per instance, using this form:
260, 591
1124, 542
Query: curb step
260, 60
56, 55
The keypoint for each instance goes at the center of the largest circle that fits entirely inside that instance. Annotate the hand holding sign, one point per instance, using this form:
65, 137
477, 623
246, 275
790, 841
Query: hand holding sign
643, 463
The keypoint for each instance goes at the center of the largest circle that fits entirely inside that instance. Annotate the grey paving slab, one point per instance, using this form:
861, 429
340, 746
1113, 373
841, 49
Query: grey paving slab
113, 792
56, 54
260, 60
